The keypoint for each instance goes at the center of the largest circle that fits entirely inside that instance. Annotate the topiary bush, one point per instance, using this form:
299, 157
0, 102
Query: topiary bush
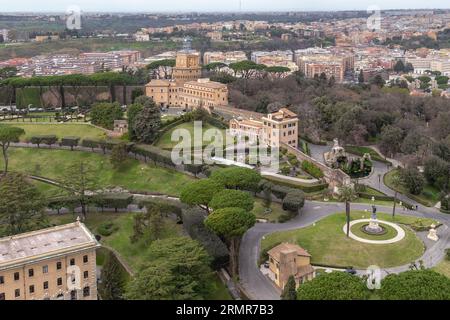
106, 229
294, 201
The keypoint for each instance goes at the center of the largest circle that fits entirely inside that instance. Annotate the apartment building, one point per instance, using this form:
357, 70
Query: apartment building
57, 263
224, 57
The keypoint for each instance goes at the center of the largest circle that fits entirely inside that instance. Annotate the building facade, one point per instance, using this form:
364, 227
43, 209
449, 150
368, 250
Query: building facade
287, 260
57, 263
186, 88
273, 130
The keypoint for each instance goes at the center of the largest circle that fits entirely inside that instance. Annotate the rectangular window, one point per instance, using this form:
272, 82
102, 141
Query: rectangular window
86, 292
58, 266
31, 289
2, 279
72, 262
85, 259
30, 272
2, 296
59, 281
16, 276
17, 293
86, 274
45, 285
45, 269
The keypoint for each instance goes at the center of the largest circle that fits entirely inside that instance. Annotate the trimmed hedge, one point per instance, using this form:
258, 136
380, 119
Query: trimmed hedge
305, 188
70, 142
294, 201
383, 198
44, 139
113, 200
312, 169
165, 205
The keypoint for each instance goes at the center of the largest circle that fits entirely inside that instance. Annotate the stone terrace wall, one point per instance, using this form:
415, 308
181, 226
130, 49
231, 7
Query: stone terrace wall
334, 177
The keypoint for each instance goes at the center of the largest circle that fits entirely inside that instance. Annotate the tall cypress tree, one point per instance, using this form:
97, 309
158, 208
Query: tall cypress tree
289, 292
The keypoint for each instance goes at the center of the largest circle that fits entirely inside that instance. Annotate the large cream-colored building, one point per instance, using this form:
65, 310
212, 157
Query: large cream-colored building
57, 263
287, 260
186, 88
273, 130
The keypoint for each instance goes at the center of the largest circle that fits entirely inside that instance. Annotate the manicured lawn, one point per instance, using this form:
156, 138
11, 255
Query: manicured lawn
165, 142
60, 130
259, 211
328, 244
444, 268
133, 175
48, 190
390, 232
360, 151
429, 196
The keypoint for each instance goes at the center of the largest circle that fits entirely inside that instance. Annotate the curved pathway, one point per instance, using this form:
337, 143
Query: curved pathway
400, 232
259, 287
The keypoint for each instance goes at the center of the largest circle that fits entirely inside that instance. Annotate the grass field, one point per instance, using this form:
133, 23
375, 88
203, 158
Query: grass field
135, 254
390, 232
360, 151
133, 175
443, 268
429, 196
273, 216
60, 130
328, 244
165, 142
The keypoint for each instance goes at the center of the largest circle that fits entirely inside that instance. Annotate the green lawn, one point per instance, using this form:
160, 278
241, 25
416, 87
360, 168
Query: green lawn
390, 232
60, 130
429, 196
133, 175
277, 211
444, 268
328, 244
360, 151
165, 142
134, 253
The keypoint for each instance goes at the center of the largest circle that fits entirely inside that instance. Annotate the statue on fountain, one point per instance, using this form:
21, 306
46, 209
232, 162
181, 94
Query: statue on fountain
374, 227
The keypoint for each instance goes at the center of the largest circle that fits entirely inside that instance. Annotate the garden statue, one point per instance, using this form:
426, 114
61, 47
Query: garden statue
337, 155
373, 227
432, 234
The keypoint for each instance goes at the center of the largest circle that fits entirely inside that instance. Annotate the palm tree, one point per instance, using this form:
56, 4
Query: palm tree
396, 183
347, 194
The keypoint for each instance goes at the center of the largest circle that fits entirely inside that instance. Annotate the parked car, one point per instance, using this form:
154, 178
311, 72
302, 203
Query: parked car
266, 265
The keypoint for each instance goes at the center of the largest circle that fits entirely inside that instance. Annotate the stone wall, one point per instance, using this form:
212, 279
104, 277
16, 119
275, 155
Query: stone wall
334, 177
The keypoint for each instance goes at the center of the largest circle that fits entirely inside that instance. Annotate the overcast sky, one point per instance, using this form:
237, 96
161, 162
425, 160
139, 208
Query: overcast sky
214, 5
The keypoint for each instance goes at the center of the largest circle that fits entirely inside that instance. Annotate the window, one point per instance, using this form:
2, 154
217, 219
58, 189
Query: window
86, 274
31, 289
2, 279
16, 276
45, 285
59, 281
17, 293
86, 292
30, 272
58, 266
2, 296
45, 269
72, 262
73, 295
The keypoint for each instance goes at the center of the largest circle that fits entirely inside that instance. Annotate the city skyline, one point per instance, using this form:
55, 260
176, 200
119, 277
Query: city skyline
217, 6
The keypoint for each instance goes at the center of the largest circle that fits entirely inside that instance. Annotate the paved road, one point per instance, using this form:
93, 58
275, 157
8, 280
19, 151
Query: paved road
259, 287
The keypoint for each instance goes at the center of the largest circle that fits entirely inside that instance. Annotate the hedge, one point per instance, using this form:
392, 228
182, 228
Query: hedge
303, 187
384, 198
193, 220
113, 200
165, 205
312, 169
70, 142
44, 139
294, 201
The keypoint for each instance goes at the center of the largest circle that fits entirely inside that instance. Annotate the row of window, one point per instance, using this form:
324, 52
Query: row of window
73, 293
44, 269
290, 125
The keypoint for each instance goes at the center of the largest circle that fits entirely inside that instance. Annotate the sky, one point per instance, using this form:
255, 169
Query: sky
213, 5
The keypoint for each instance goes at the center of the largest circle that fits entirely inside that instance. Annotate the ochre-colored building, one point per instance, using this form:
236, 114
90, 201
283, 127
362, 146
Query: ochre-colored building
57, 263
273, 130
287, 260
186, 88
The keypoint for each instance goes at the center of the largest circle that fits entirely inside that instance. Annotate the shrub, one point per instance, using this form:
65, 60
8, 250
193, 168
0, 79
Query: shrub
70, 142
294, 201
89, 143
193, 224
45, 139
113, 200
413, 180
312, 169
106, 229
